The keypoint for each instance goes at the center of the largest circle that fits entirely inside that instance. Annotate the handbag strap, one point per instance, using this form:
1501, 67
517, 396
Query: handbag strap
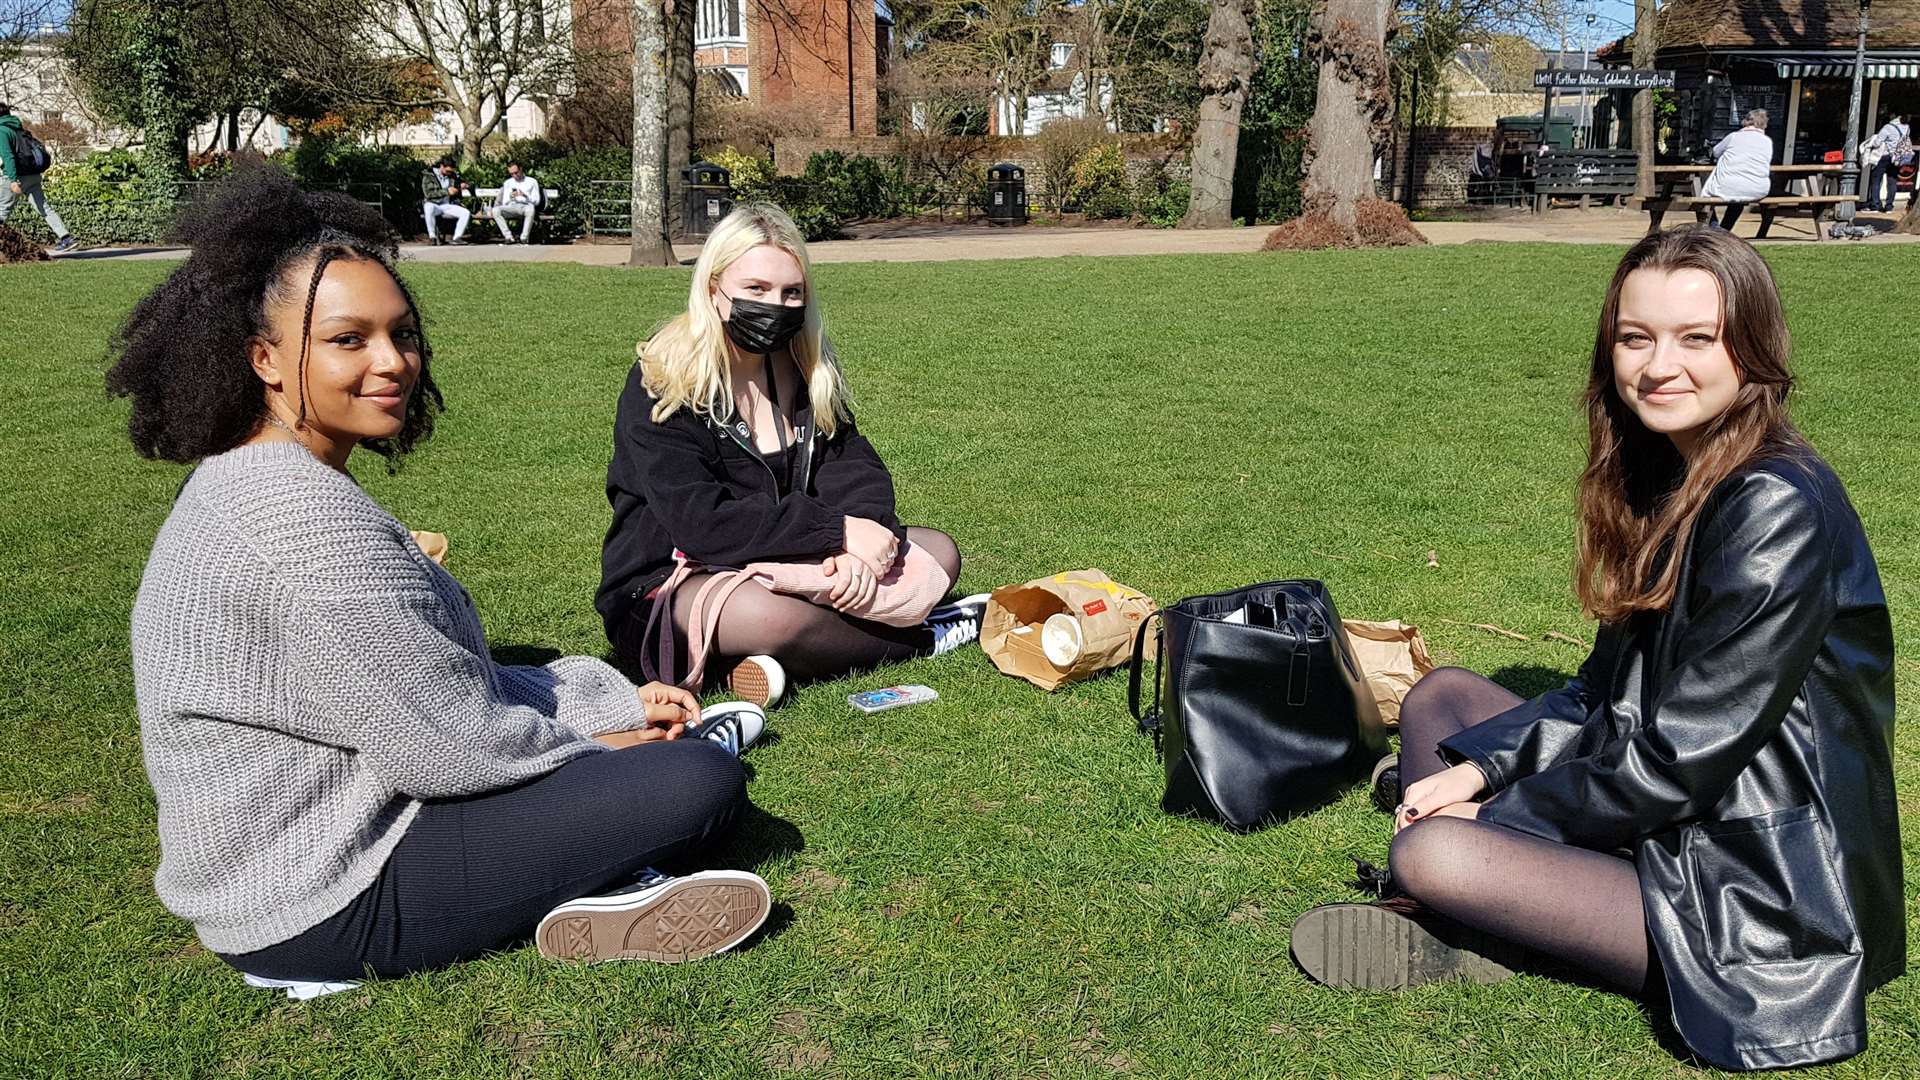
657, 654
1150, 720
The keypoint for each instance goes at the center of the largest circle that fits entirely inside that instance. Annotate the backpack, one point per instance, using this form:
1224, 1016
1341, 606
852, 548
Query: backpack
30, 157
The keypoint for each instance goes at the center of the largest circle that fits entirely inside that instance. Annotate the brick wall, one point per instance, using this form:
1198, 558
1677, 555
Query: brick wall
790, 155
1441, 160
799, 58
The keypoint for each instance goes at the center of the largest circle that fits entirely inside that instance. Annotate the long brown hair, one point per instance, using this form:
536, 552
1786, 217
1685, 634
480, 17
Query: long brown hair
1639, 498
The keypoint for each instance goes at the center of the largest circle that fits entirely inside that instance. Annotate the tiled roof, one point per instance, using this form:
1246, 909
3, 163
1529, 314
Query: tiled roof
1779, 24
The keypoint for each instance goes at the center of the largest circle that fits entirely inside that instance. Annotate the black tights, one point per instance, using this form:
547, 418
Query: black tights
811, 641
1578, 906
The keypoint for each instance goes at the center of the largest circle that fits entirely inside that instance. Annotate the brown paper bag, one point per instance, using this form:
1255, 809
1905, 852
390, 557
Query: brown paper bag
1109, 615
432, 544
1393, 655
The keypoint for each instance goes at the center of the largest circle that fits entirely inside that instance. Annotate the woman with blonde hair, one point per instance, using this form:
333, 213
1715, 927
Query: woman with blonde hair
735, 446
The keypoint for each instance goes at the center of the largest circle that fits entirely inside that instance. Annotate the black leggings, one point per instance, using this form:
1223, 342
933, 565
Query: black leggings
476, 874
810, 641
1578, 906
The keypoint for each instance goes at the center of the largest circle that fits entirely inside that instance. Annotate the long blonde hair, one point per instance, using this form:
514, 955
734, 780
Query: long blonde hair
685, 364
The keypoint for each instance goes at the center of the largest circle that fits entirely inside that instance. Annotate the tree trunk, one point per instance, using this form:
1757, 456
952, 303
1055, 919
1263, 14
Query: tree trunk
1353, 111
1645, 46
1226, 68
472, 135
651, 65
233, 130
160, 40
680, 96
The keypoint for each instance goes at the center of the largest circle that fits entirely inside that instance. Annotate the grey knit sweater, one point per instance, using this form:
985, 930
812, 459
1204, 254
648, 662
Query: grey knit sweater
305, 678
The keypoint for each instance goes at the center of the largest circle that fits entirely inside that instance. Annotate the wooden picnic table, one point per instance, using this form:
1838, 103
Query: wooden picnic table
1818, 201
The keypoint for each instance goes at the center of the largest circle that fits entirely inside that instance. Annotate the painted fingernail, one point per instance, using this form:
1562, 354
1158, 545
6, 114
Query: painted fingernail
1413, 811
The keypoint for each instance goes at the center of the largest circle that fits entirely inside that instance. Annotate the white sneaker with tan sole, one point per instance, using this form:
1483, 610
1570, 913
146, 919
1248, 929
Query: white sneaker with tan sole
758, 679
669, 920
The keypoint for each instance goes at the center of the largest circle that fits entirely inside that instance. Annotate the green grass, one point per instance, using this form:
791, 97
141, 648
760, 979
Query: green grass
980, 887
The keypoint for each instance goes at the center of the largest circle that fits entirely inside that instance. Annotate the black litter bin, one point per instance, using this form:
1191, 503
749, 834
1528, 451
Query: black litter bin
708, 197
1006, 195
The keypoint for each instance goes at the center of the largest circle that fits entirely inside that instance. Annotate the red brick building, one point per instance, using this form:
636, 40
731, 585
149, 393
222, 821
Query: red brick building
821, 57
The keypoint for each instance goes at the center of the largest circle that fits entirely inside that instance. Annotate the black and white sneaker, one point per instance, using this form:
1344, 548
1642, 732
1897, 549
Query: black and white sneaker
1385, 947
665, 919
958, 623
735, 725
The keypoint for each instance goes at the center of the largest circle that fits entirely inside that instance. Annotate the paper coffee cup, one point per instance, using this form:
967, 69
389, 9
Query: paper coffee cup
1061, 639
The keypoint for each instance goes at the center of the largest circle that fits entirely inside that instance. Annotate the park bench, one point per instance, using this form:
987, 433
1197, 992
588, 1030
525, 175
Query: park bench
1582, 173
1817, 202
490, 195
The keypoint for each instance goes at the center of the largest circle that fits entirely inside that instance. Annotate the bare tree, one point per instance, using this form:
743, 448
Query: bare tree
652, 72
23, 20
485, 55
1225, 72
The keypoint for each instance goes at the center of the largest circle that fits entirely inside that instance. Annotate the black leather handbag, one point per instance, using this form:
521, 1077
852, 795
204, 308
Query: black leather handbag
1261, 710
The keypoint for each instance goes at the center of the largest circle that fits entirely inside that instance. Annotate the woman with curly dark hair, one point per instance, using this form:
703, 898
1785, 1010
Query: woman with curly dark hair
347, 783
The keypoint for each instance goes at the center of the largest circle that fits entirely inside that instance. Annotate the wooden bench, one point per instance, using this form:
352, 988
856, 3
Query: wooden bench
490, 195
1818, 207
1585, 173
1817, 202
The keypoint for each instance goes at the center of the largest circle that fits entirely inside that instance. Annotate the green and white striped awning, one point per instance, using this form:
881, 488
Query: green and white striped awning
1843, 69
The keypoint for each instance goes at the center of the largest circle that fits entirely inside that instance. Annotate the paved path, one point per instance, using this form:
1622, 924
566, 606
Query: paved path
910, 242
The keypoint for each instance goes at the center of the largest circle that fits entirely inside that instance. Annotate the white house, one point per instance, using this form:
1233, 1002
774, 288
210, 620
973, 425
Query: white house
1059, 94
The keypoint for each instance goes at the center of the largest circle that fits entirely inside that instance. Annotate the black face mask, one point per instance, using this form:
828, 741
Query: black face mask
764, 328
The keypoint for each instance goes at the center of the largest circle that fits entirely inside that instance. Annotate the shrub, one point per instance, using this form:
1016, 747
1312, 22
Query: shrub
733, 123
863, 187
970, 180
574, 174
1060, 145
1099, 187
1159, 199
750, 175
104, 199
387, 174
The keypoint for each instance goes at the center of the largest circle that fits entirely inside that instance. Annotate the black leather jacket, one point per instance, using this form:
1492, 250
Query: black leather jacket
1740, 747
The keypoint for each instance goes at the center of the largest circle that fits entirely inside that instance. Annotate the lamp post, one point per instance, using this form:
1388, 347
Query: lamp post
1850, 170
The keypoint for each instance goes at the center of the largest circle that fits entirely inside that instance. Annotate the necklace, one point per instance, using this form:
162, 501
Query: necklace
282, 425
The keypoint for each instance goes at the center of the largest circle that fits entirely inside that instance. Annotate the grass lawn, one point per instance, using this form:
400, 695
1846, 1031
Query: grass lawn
980, 887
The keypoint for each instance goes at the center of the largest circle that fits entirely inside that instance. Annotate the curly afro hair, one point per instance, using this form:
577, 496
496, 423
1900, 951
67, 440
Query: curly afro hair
183, 355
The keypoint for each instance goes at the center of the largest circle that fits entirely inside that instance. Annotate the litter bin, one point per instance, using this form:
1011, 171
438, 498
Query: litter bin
1006, 195
708, 197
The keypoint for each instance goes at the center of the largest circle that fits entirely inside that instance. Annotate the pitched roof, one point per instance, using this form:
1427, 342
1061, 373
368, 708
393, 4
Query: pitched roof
1778, 24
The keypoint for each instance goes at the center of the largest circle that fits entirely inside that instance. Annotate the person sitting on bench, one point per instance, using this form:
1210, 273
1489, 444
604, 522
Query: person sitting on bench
440, 192
1742, 168
519, 197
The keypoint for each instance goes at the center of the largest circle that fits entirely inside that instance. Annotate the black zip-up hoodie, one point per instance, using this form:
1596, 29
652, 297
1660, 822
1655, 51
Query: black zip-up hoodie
697, 484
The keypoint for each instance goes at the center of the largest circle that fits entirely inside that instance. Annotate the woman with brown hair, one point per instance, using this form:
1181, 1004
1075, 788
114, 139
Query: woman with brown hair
1706, 814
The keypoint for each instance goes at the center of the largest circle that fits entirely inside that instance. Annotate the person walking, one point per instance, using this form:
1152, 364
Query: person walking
24, 160
1742, 170
440, 190
1891, 147
519, 197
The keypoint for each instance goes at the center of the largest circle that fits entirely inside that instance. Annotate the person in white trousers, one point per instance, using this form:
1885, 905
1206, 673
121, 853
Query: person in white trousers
439, 188
519, 197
